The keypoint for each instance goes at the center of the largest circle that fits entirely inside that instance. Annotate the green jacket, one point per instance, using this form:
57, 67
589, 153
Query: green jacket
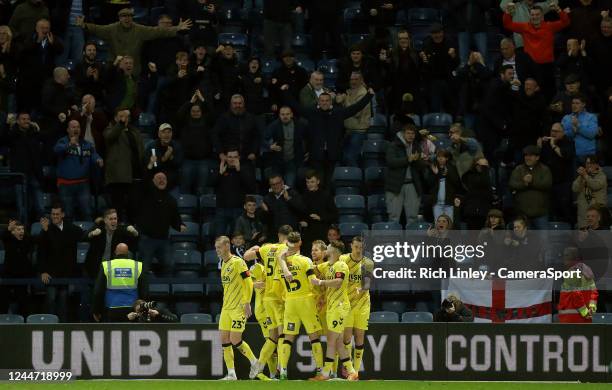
308, 97
531, 199
119, 159
122, 41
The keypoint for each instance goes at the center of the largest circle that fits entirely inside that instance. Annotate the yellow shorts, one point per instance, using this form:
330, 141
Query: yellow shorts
323, 319
274, 311
298, 312
336, 317
232, 320
262, 320
358, 318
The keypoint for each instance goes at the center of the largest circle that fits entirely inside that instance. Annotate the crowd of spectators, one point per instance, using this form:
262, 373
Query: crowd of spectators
115, 112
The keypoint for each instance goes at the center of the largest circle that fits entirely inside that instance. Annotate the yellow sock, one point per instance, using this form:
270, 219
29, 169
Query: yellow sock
317, 352
279, 350
349, 349
266, 351
358, 357
245, 350
286, 347
228, 356
272, 362
346, 363
328, 367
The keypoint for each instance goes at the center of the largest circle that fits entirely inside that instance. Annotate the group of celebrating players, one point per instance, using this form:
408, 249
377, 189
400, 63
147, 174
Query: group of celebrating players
328, 294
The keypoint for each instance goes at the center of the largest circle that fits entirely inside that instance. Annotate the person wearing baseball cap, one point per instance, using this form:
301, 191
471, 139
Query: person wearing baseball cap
531, 183
164, 155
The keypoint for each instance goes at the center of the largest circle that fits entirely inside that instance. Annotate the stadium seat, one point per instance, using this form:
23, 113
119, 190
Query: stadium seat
208, 204
196, 318
375, 180
155, 13
306, 63
207, 235
258, 199
141, 15
559, 226
350, 204
354, 21
383, 316
187, 289
350, 218
355, 39
81, 255
418, 226
192, 233
186, 307
46, 199
235, 39
35, 229
379, 120
214, 290
230, 16
84, 225
347, 177
42, 319
422, 16
350, 230
268, 65
377, 205
387, 226
394, 306
211, 260
187, 204
602, 318
373, 149
417, 316
347, 191
147, 123
328, 67
190, 260
375, 136
11, 319
159, 290
301, 43
217, 318
437, 122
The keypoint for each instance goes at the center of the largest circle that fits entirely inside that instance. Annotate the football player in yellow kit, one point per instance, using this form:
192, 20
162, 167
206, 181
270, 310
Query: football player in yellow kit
272, 294
236, 309
336, 283
356, 323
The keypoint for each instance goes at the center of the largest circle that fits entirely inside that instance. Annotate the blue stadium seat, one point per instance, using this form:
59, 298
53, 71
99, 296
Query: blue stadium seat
354, 20
347, 191
187, 289
602, 318
268, 65
375, 136
416, 119
230, 16
186, 307
235, 39
196, 318
11, 319
418, 226
46, 199
147, 123
192, 233
189, 260
42, 319
214, 290
306, 63
155, 13
417, 316
84, 225
350, 218
422, 16
379, 120
347, 177
355, 39
350, 204
211, 260
141, 15
375, 179
81, 255
207, 234
437, 122
301, 43
159, 290
350, 230
383, 316
187, 204
377, 207
373, 149
328, 67
394, 306
559, 226
35, 229
208, 204
387, 226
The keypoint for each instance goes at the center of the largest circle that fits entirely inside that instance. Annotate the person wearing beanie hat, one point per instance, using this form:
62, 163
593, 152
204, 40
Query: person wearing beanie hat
164, 155
530, 183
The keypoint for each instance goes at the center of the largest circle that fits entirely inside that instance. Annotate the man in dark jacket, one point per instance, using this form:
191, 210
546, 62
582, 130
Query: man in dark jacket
319, 214
164, 155
58, 99
453, 310
250, 223
233, 182
63, 16
286, 137
522, 64
326, 18
602, 60
277, 29
18, 249
105, 236
237, 128
282, 205
158, 213
404, 175
93, 122
57, 258
558, 154
290, 73
326, 130
357, 62
25, 149
204, 16
88, 74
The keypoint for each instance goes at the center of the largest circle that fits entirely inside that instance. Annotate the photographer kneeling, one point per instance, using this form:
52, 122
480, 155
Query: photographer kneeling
149, 312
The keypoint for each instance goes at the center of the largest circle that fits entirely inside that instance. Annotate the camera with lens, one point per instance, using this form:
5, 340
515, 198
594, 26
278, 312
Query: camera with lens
143, 310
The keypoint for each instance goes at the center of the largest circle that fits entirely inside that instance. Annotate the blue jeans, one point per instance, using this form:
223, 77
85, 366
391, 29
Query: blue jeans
33, 201
465, 41
352, 148
162, 81
194, 175
149, 248
72, 194
56, 301
442, 209
74, 42
225, 219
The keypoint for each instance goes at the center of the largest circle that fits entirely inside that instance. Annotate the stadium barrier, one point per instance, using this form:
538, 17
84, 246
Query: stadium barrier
475, 352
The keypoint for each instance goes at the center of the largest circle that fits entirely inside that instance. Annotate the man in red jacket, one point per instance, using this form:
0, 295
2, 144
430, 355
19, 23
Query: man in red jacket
539, 40
578, 296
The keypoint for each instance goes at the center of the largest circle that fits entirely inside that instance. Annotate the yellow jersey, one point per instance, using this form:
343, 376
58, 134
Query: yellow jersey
267, 254
337, 296
258, 275
302, 270
233, 271
358, 270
